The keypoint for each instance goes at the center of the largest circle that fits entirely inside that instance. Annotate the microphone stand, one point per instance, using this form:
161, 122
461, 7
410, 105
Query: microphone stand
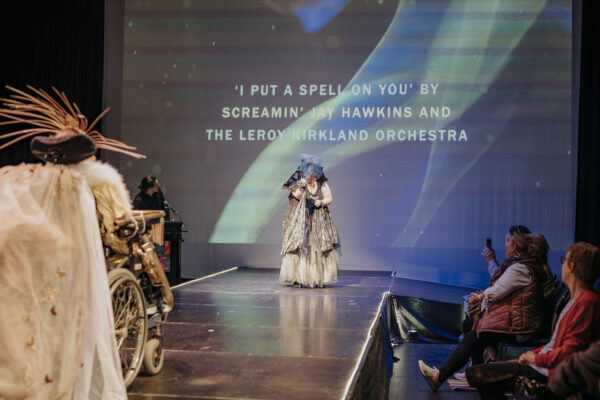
170, 207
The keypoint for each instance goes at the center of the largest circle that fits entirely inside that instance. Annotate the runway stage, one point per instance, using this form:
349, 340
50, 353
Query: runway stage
244, 335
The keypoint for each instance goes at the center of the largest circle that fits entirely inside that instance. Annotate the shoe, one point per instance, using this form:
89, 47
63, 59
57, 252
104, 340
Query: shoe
151, 310
431, 375
461, 376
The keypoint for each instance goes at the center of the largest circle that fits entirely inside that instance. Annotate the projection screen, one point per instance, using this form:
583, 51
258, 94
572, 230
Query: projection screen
439, 123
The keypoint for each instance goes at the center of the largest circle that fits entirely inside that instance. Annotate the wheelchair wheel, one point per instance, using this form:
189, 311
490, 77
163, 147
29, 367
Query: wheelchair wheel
154, 357
131, 322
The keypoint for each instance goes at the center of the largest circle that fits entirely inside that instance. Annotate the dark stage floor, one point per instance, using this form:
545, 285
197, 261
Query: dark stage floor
406, 382
244, 335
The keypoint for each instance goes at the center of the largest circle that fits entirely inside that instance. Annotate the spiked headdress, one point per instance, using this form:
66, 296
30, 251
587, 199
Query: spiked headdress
61, 122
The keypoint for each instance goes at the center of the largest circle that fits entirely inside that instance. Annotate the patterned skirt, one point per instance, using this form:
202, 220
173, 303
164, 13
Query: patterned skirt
311, 258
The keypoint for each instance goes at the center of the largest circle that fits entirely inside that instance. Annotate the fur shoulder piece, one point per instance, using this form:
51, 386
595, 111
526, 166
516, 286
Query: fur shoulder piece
97, 173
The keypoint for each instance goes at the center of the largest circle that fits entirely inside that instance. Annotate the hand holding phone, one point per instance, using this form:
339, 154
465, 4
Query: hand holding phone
488, 253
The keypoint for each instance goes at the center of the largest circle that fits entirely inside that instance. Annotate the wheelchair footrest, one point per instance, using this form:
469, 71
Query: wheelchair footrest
154, 320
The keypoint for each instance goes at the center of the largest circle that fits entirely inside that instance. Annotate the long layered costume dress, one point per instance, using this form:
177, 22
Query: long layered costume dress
57, 326
310, 242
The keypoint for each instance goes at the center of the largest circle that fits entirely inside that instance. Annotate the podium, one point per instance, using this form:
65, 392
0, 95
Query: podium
173, 239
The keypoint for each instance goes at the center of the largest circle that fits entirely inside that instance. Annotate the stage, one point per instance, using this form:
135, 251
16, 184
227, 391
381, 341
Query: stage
243, 334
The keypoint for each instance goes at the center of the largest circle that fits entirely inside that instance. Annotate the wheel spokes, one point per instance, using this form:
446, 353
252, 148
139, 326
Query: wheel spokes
130, 325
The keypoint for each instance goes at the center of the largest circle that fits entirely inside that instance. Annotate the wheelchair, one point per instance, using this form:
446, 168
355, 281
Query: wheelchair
138, 306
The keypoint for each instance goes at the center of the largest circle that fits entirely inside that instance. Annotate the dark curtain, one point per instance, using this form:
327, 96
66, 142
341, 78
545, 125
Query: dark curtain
587, 215
61, 44
52, 43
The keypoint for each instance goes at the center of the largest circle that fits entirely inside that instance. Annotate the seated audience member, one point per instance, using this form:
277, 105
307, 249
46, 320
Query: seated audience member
578, 374
539, 249
490, 254
511, 306
578, 325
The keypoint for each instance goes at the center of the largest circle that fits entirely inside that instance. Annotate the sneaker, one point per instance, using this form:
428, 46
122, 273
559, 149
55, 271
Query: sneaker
461, 376
431, 375
151, 310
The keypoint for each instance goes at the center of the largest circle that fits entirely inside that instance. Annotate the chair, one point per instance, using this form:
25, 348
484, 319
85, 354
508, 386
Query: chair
554, 305
552, 308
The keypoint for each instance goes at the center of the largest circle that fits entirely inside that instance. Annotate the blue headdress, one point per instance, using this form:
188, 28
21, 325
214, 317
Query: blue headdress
310, 165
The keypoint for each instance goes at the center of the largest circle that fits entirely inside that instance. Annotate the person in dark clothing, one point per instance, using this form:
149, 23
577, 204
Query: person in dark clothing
150, 196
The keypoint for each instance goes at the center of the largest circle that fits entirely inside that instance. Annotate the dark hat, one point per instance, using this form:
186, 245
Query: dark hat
69, 149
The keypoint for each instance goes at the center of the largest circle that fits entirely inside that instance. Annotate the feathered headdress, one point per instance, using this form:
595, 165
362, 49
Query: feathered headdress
310, 165
51, 117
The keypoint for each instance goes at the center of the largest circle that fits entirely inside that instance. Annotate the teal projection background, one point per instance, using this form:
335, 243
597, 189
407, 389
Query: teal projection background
439, 123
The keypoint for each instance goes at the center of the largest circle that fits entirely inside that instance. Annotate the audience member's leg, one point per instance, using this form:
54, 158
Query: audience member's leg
495, 391
470, 347
494, 379
467, 324
460, 356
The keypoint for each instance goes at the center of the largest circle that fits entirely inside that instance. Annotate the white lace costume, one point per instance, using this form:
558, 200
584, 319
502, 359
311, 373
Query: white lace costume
57, 324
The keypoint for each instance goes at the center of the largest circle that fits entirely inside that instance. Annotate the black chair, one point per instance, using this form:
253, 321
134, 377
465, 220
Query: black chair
554, 305
552, 308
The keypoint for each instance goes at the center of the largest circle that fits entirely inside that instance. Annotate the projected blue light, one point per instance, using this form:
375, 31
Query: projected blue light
454, 52
316, 14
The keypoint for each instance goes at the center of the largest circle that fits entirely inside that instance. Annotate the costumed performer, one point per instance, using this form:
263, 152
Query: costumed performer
58, 334
310, 238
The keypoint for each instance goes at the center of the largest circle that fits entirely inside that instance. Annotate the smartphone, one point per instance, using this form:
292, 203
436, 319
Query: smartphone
488, 243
